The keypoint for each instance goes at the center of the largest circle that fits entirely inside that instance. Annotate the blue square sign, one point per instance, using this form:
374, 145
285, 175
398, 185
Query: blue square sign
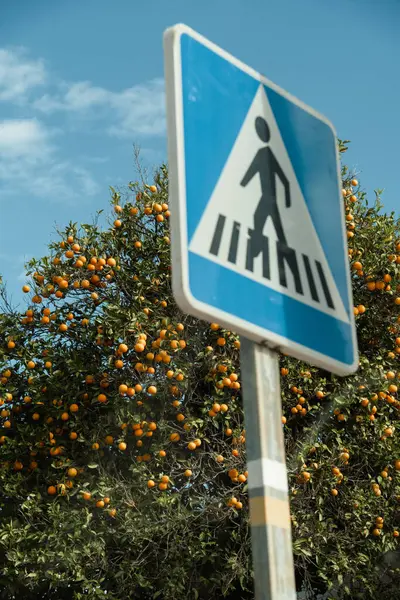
257, 217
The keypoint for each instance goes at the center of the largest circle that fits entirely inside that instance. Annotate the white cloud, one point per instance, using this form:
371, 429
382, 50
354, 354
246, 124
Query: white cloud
23, 137
141, 110
32, 157
74, 97
18, 74
60, 181
29, 162
138, 110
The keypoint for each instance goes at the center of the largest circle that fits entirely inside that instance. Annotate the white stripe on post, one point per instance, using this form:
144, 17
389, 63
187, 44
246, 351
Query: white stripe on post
266, 472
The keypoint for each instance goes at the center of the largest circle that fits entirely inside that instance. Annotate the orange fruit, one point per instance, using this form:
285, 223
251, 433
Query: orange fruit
100, 504
72, 472
188, 473
122, 446
86, 495
376, 532
175, 437
51, 490
74, 408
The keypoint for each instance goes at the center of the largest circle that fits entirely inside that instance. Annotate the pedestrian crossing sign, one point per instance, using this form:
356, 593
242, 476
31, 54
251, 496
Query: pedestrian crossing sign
258, 234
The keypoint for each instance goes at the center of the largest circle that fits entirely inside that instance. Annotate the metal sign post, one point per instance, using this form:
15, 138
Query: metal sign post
268, 487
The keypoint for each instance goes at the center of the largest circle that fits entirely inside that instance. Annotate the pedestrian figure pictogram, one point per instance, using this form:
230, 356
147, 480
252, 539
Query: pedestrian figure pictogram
267, 167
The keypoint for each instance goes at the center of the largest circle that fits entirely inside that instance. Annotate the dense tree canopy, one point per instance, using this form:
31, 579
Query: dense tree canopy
123, 443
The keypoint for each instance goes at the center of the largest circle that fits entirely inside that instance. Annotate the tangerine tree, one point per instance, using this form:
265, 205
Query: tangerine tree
122, 444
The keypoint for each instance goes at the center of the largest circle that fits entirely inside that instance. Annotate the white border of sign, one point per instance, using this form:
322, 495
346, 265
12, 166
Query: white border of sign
177, 195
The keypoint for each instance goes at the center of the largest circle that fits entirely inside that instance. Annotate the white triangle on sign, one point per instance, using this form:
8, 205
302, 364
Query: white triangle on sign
296, 266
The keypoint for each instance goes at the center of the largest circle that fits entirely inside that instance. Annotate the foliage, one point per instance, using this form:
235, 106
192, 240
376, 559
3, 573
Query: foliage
123, 464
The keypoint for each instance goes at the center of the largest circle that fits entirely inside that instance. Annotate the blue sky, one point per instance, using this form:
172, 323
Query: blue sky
82, 81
